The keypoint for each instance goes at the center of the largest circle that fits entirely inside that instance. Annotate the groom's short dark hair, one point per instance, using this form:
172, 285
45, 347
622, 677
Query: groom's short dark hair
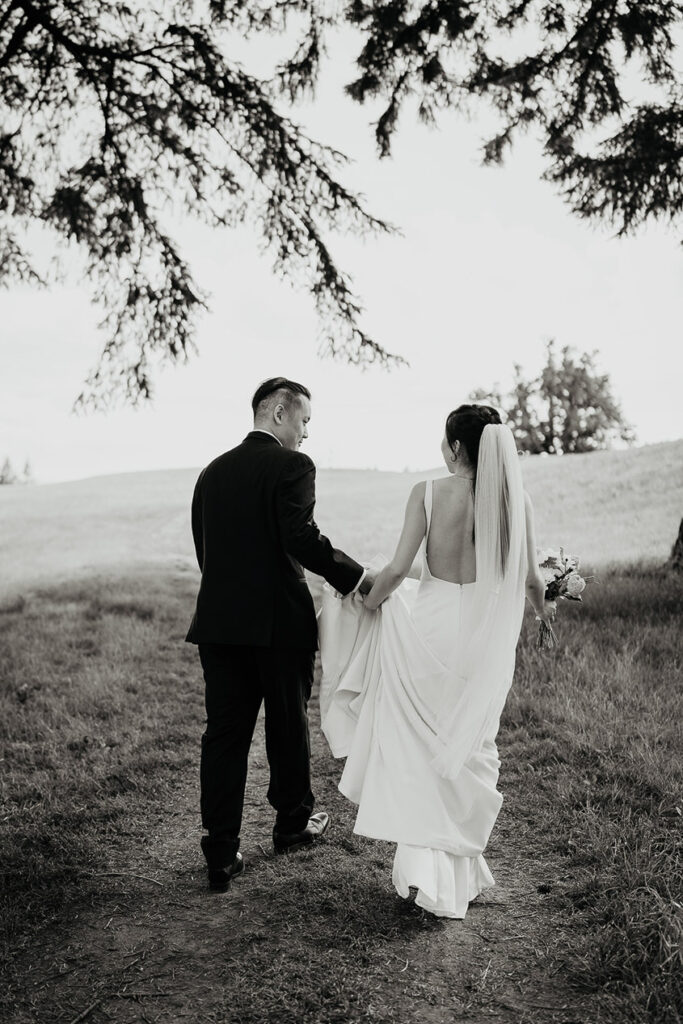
273, 384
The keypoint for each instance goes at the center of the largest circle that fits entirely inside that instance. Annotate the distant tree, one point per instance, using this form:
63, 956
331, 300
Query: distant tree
27, 474
7, 474
567, 407
112, 115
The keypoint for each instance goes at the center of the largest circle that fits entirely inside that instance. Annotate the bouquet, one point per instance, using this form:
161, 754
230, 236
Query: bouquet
562, 580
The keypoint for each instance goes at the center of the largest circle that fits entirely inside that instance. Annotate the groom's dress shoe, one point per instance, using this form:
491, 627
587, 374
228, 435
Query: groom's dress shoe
286, 841
220, 878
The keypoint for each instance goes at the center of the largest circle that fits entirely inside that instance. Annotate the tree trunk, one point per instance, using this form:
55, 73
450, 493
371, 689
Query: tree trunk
676, 560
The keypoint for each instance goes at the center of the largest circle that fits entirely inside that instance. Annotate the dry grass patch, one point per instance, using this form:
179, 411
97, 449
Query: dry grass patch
103, 886
93, 707
600, 725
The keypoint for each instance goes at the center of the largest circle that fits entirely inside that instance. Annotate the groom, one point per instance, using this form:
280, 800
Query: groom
255, 624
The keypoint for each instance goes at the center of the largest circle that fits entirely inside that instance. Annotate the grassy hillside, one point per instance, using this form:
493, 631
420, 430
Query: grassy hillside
607, 507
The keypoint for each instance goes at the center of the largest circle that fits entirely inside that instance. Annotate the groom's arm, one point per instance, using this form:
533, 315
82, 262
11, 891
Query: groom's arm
197, 522
300, 535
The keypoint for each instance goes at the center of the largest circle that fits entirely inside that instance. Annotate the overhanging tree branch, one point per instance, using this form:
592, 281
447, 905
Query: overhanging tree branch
612, 159
155, 113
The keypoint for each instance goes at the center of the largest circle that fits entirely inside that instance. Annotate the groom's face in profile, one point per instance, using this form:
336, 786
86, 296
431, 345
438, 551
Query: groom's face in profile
292, 422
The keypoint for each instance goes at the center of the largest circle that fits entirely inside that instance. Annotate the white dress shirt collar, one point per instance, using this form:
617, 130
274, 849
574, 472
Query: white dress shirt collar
260, 430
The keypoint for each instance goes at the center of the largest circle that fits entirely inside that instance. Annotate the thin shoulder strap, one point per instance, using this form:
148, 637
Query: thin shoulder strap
428, 503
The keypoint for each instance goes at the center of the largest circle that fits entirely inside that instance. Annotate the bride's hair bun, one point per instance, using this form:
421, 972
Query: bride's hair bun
488, 414
466, 424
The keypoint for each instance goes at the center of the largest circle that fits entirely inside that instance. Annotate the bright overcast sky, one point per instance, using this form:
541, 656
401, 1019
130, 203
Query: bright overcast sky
491, 264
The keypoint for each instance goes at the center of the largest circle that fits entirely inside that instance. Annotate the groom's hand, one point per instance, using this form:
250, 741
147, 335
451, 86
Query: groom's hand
368, 583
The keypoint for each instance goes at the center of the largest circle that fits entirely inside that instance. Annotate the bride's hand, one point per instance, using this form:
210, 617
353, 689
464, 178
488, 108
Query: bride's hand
368, 582
369, 603
549, 612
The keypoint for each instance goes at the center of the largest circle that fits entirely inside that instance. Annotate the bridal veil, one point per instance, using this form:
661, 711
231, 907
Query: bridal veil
475, 696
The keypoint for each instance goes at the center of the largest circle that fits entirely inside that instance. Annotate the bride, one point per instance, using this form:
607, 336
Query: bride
415, 676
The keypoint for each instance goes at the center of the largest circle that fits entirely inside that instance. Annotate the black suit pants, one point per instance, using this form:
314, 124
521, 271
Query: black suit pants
237, 680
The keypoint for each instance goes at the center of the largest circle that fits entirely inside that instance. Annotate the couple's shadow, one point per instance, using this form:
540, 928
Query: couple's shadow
342, 890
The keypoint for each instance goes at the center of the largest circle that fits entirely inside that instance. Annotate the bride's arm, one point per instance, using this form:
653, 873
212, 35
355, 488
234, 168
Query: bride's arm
397, 569
535, 584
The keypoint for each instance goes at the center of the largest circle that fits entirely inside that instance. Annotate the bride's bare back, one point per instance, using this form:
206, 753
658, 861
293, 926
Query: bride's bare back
450, 542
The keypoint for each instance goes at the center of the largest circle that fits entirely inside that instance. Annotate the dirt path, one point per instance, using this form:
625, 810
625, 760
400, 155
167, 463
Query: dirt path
318, 936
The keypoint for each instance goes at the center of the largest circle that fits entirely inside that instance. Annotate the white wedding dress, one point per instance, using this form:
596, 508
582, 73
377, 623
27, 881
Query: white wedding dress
411, 695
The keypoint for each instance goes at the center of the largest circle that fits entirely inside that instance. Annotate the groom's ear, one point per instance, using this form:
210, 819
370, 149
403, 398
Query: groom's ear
278, 413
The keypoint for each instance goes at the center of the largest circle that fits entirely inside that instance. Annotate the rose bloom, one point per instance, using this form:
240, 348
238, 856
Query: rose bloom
550, 573
575, 585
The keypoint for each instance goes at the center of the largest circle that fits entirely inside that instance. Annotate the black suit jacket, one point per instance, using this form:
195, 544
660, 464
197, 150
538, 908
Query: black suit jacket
253, 529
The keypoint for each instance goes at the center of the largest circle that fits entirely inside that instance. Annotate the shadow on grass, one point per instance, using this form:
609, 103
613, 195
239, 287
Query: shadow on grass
329, 942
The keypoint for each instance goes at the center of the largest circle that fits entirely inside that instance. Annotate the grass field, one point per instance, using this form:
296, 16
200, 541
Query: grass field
103, 899
104, 912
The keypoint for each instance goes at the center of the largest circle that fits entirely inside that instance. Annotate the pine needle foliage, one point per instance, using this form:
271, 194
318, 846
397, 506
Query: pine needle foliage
598, 81
115, 115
